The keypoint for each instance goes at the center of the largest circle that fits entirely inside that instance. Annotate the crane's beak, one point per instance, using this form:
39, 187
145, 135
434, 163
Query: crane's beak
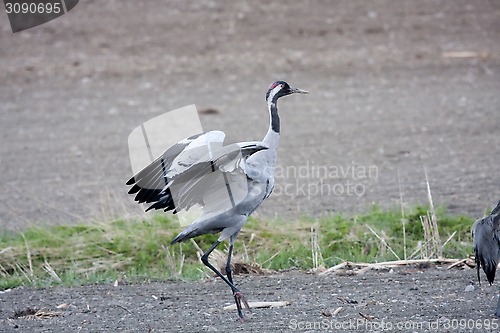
298, 91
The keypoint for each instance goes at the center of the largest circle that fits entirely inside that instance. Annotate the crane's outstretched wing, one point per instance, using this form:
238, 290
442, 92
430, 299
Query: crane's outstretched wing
191, 172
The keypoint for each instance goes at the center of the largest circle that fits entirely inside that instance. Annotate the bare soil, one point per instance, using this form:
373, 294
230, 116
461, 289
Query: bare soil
394, 85
410, 299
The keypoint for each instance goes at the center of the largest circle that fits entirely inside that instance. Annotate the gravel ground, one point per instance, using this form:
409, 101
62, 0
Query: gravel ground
390, 88
402, 300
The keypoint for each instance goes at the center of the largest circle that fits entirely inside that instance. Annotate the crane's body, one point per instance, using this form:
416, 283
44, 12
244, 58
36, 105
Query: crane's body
486, 238
185, 174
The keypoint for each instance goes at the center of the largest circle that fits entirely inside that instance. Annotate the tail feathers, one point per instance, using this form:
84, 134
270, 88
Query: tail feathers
489, 268
184, 235
193, 230
478, 264
486, 246
487, 262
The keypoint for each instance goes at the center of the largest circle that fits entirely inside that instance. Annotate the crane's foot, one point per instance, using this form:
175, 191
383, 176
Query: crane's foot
238, 298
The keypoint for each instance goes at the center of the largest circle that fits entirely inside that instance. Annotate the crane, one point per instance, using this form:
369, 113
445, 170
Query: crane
486, 238
185, 175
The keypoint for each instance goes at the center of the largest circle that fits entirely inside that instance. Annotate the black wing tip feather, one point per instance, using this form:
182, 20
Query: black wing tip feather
131, 181
159, 199
134, 189
161, 205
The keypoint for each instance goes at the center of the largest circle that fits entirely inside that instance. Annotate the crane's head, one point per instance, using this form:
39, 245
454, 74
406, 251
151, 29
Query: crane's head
281, 88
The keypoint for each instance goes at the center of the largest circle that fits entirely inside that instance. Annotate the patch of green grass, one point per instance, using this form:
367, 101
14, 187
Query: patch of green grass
137, 249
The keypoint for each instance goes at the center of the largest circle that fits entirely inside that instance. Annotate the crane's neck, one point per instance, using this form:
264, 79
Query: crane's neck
272, 137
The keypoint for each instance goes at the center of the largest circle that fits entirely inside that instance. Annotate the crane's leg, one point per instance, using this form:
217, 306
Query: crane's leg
236, 292
497, 312
478, 266
238, 297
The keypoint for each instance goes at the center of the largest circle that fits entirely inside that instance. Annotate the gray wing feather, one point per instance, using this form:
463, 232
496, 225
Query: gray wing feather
183, 175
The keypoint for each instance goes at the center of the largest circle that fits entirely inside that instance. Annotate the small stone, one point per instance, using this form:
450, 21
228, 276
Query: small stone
469, 288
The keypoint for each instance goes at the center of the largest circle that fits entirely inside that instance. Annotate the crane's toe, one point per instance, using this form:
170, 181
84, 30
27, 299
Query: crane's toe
239, 296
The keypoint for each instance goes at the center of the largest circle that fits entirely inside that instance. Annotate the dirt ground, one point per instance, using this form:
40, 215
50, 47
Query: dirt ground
387, 90
395, 86
402, 300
